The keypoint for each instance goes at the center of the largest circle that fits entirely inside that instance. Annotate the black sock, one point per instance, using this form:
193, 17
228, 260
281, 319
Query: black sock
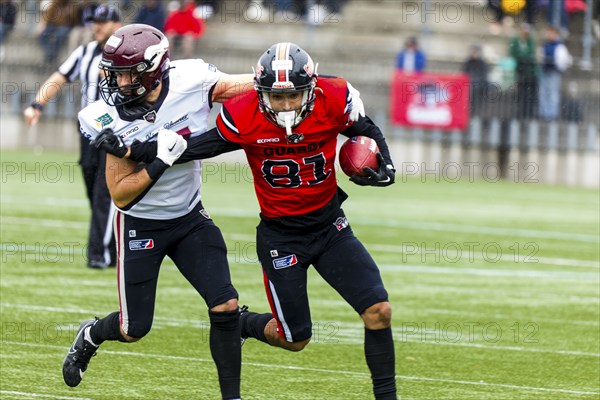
106, 328
253, 325
226, 350
379, 352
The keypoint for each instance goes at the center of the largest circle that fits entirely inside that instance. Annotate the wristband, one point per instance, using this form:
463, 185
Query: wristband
156, 168
37, 106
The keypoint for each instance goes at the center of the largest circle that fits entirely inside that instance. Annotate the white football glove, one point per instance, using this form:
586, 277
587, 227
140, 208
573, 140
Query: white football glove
170, 145
358, 108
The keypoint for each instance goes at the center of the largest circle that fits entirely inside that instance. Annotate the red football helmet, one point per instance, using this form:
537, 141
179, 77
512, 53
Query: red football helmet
139, 50
285, 68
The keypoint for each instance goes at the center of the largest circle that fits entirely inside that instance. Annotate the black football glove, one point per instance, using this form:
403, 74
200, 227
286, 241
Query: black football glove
384, 176
111, 143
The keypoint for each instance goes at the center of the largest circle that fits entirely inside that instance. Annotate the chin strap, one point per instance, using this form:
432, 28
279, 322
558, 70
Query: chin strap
287, 117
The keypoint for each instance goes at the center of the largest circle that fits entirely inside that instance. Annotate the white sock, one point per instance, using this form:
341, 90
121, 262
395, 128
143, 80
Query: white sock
87, 337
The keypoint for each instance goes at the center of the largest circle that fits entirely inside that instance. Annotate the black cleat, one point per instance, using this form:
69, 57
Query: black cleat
79, 355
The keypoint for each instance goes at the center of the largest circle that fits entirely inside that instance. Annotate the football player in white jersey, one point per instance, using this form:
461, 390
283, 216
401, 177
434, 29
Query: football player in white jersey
143, 94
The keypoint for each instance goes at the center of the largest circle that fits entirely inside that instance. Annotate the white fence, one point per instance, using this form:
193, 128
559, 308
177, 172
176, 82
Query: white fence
490, 150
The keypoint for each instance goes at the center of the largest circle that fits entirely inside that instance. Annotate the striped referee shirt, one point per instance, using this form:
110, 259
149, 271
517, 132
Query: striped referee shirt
83, 64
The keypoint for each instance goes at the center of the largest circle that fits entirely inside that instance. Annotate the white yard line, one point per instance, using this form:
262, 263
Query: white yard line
54, 249
50, 223
350, 333
592, 277
320, 370
481, 230
415, 251
417, 225
40, 395
462, 252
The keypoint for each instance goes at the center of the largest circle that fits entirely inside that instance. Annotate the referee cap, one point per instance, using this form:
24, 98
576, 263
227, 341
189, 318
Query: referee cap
106, 12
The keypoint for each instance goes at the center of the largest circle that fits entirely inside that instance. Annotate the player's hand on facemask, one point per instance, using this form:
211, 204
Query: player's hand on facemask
358, 108
384, 176
170, 147
111, 143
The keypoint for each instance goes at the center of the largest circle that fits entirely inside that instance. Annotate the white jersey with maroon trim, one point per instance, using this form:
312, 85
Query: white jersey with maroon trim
185, 110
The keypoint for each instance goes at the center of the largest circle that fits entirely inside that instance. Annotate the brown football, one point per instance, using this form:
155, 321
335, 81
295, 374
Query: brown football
356, 153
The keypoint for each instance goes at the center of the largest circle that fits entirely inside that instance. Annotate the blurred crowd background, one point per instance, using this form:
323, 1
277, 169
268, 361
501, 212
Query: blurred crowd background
505, 48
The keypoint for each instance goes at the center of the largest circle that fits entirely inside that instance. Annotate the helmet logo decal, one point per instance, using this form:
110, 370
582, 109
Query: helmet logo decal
259, 71
309, 68
281, 64
113, 41
155, 52
283, 85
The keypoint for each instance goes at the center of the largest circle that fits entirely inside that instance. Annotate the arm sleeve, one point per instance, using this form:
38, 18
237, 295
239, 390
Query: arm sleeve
226, 127
86, 126
365, 127
70, 68
207, 145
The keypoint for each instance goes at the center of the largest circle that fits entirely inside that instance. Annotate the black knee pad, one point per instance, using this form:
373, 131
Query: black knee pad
224, 321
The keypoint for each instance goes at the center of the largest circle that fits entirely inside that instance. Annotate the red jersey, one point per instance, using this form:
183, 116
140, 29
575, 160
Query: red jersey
290, 178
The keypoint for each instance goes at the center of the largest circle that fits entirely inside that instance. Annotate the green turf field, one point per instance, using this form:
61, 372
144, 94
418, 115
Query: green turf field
495, 289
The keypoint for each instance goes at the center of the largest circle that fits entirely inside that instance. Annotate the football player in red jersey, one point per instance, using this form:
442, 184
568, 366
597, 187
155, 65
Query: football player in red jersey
288, 128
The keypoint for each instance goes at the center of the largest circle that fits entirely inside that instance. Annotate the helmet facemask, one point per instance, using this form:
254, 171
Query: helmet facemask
291, 118
133, 93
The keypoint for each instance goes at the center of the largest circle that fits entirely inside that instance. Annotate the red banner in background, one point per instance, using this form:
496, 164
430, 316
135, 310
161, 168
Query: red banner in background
430, 100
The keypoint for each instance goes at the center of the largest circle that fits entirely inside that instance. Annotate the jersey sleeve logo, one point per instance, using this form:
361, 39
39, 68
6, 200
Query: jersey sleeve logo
103, 120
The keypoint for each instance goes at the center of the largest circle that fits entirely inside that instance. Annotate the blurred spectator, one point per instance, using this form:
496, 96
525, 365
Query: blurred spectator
522, 49
8, 14
152, 13
333, 6
208, 8
126, 4
557, 14
57, 20
556, 60
572, 109
82, 32
596, 18
315, 11
505, 10
411, 58
498, 16
477, 69
181, 25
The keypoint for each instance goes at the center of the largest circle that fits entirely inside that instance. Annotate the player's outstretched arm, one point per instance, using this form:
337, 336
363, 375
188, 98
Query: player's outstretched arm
127, 180
48, 91
230, 86
207, 145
